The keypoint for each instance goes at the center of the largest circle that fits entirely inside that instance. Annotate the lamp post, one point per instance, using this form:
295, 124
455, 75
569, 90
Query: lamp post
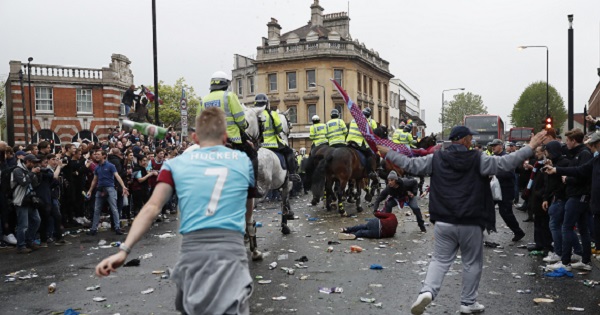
313, 84
455, 89
29, 60
547, 66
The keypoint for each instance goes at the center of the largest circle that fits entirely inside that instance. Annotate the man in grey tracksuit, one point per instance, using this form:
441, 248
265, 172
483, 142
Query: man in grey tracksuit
461, 207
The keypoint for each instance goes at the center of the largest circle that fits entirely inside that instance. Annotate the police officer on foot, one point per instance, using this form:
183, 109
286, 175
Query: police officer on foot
318, 132
336, 130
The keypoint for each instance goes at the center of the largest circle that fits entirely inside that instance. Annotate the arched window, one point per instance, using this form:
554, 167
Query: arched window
47, 135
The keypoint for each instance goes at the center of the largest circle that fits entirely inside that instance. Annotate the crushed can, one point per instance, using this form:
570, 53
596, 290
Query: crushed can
52, 287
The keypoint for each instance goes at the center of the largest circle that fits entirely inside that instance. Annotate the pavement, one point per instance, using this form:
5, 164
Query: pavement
404, 258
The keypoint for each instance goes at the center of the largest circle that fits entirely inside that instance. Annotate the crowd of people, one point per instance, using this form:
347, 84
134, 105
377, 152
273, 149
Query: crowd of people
47, 189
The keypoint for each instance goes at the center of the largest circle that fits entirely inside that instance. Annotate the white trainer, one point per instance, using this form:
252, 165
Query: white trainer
581, 266
10, 239
551, 258
558, 265
575, 257
421, 303
346, 236
473, 308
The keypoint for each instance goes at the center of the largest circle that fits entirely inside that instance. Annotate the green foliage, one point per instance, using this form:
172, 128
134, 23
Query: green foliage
530, 109
169, 112
462, 105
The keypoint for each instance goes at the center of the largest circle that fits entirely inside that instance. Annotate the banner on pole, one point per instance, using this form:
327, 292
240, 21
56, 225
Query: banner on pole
184, 114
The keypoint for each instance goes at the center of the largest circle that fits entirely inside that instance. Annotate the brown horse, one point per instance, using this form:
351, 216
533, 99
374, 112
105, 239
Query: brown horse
313, 177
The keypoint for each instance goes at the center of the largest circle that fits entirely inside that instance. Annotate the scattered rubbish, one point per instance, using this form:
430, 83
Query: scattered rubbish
258, 277
264, 281
330, 249
150, 290
401, 261
146, 256
524, 291
498, 251
69, 311
536, 253
279, 298
590, 283
99, 299
303, 277
380, 305
367, 300
313, 219
491, 244
376, 267
494, 293
259, 224
158, 272
382, 246
101, 242
94, 288
115, 244
166, 235
420, 262
522, 246
302, 259
578, 309
282, 257
52, 287
355, 249
273, 265
291, 251
376, 285
529, 273
543, 300
287, 270
333, 243
560, 272
331, 290
132, 263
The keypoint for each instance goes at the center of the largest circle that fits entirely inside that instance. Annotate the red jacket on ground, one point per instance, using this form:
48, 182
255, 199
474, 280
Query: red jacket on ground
389, 223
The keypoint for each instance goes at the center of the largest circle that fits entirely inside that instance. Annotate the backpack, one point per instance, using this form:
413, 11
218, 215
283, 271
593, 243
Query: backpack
5, 182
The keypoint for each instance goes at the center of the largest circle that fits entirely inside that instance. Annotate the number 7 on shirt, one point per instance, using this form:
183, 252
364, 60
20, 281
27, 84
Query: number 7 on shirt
221, 174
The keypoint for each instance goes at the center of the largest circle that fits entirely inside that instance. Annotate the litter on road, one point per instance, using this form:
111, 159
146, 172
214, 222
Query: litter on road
331, 290
150, 290
99, 299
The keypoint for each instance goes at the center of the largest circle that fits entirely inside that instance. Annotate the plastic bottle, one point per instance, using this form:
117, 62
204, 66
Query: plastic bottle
356, 249
147, 129
52, 287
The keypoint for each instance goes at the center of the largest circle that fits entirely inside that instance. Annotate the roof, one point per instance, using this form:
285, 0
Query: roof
303, 31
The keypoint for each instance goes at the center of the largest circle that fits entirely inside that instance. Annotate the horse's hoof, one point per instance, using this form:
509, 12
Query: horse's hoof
257, 255
343, 214
359, 209
285, 230
368, 197
289, 215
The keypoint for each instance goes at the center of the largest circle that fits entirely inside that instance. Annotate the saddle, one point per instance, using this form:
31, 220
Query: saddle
361, 157
281, 158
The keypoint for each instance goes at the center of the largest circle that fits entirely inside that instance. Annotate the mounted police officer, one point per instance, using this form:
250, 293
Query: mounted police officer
318, 132
356, 139
403, 135
271, 138
336, 130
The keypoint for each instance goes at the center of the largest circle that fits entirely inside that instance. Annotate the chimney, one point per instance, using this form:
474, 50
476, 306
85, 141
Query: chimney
274, 29
316, 14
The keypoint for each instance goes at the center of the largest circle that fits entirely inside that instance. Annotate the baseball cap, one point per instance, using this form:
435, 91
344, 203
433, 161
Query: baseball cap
511, 144
20, 153
496, 142
31, 157
459, 132
593, 139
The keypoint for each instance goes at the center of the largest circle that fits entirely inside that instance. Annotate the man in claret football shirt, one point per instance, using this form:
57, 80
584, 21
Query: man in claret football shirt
212, 184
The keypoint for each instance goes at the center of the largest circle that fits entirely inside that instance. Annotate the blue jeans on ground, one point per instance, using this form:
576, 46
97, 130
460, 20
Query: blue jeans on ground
106, 194
556, 211
576, 214
369, 230
28, 222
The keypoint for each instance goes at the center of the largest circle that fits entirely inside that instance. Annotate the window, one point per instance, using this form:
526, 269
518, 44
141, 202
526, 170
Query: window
312, 110
240, 87
358, 78
84, 101
43, 99
340, 109
338, 74
293, 114
251, 85
385, 93
371, 86
310, 78
291, 80
365, 83
273, 82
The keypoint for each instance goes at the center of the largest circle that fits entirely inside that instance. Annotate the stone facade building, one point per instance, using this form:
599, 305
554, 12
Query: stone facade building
294, 69
65, 100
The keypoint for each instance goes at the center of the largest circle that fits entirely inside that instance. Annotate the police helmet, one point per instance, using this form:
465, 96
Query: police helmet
367, 112
316, 119
335, 113
261, 100
219, 81
303, 150
407, 128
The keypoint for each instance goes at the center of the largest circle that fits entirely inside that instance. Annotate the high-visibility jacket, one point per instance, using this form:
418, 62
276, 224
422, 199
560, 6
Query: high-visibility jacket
402, 137
336, 131
299, 159
273, 127
318, 134
234, 112
355, 135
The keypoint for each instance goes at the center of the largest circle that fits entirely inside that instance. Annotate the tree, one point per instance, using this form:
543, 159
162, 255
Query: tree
462, 105
530, 109
169, 113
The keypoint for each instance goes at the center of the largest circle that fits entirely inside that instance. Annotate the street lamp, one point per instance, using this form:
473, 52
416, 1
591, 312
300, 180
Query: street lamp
455, 89
547, 55
29, 60
314, 85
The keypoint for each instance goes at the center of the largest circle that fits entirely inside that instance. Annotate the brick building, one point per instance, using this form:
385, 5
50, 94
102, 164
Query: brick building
66, 102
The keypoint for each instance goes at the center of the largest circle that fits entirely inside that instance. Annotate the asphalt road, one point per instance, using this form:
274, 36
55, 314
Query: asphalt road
395, 287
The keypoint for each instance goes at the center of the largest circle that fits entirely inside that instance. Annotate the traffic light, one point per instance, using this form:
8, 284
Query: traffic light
548, 123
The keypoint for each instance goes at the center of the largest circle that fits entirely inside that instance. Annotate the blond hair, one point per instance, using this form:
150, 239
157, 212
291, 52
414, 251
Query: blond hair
211, 124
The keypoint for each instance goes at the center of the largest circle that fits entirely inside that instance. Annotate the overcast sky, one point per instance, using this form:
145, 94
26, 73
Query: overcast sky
430, 45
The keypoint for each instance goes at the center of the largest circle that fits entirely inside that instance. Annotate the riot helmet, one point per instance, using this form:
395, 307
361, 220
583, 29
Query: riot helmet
261, 100
367, 112
316, 119
335, 113
219, 81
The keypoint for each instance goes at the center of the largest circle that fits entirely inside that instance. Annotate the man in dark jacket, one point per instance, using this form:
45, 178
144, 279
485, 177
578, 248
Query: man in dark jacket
461, 207
23, 181
578, 188
394, 194
507, 185
411, 186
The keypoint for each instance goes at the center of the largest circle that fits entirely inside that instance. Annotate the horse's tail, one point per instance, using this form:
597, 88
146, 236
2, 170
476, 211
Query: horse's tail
318, 178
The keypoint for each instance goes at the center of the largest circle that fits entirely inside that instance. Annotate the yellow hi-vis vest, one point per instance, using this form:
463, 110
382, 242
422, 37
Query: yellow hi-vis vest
354, 133
336, 131
318, 134
273, 127
402, 137
234, 112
